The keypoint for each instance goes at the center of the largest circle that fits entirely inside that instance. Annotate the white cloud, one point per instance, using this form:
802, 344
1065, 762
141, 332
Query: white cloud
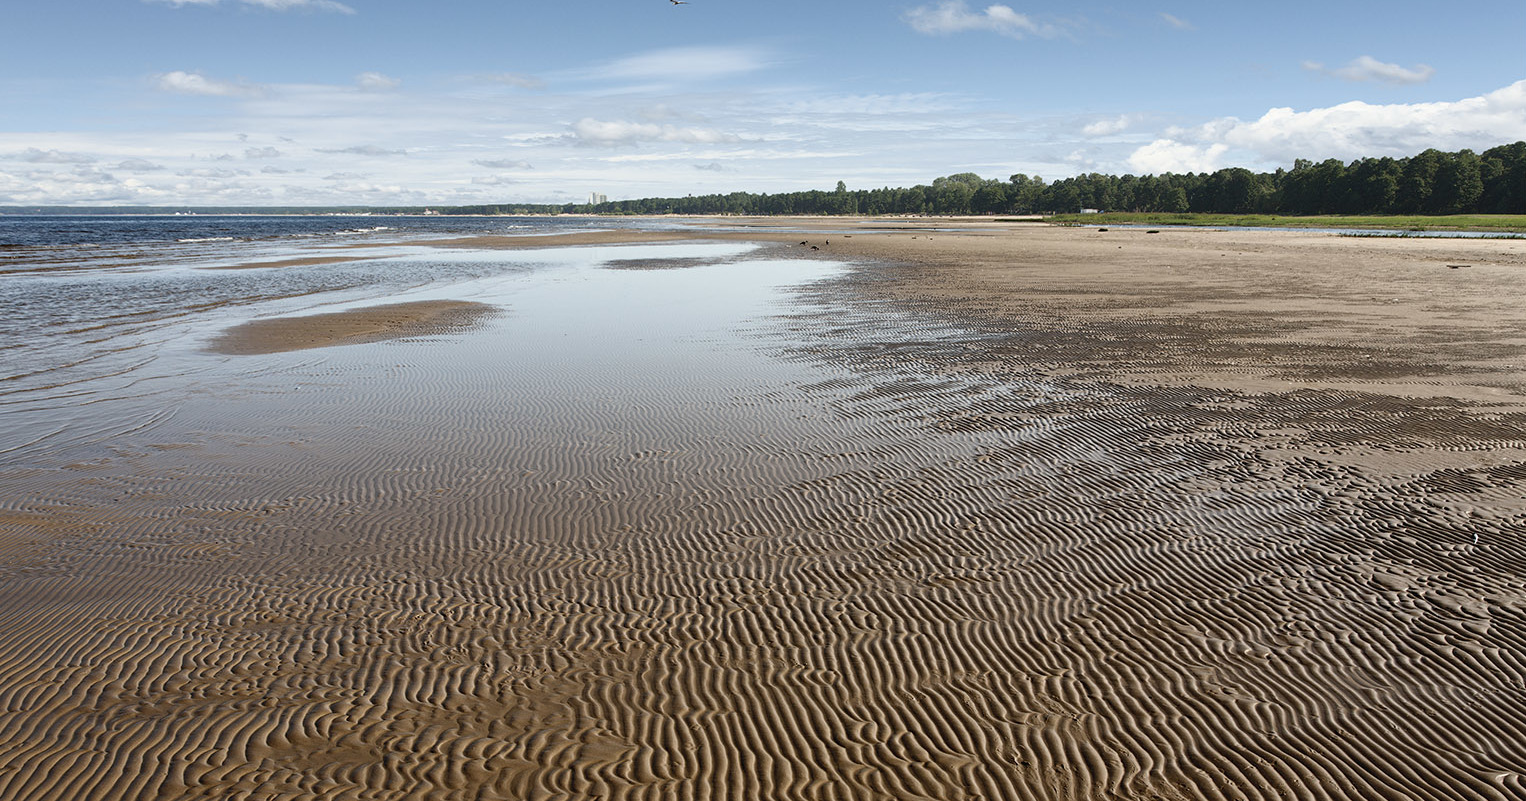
685, 63
139, 165
503, 164
208, 172
953, 16
1346, 131
1177, 22
598, 132
1368, 69
364, 150
376, 82
273, 5
1165, 155
1109, 127
83, 182
261, 153
194, 83
493, 180
34, 155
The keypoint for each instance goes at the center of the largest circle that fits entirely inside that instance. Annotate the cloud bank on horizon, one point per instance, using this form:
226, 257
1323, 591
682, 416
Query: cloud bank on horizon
314, 102
1346, 131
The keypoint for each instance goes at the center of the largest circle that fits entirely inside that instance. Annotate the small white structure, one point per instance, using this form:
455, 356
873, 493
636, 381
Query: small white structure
595, 198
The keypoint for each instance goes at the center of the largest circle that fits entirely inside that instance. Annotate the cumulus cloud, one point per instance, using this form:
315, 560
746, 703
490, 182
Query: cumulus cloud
1366, 69
262, 153
139, 165
1346, 131
1166, 155
493, 180
598, 132
272, 5
502, 164
376, 82
82, 184
953, 16
194, 83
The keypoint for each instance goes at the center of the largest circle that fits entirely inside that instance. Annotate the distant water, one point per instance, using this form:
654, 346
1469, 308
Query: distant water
76, 230
46, 242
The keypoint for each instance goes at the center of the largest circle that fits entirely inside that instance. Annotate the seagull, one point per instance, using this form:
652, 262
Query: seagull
679, 2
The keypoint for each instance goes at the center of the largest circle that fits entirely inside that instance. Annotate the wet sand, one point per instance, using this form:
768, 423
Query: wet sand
1003, 512
351, 327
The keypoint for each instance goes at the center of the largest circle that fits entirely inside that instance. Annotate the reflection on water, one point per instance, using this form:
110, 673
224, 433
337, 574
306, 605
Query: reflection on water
92, 355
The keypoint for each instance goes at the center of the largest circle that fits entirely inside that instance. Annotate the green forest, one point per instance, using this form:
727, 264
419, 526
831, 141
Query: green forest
1432, 182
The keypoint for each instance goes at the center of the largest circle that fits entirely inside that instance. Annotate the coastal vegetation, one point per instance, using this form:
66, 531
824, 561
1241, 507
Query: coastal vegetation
1430, 183
1486, 223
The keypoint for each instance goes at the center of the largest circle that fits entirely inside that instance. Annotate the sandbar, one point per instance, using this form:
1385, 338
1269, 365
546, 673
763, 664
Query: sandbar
351, 327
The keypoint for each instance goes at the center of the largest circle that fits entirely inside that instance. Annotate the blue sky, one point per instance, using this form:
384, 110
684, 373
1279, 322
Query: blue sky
210, 102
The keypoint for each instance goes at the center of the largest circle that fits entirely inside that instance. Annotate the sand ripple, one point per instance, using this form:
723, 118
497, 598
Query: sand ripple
916, 576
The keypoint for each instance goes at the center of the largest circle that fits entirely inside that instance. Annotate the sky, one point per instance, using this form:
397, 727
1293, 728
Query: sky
455, 102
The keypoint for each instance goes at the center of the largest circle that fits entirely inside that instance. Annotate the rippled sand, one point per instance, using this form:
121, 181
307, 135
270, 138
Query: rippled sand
1001, 514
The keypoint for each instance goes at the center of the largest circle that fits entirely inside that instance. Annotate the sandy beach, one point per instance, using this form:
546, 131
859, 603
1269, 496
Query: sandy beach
881, 509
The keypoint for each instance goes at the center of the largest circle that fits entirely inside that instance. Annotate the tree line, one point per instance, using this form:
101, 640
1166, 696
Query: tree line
1432, 182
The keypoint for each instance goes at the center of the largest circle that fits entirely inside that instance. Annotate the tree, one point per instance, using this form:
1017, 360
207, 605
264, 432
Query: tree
990, 198
1458, 185
1374, 186
1062, 197
1230, 191
953, 194
1416, 181
1504, 175
1023, 193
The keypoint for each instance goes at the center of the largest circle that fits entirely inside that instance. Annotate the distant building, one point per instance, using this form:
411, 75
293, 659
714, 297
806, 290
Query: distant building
595, 198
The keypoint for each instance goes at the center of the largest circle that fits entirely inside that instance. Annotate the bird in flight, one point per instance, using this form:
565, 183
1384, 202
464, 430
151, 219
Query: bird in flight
679, 2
